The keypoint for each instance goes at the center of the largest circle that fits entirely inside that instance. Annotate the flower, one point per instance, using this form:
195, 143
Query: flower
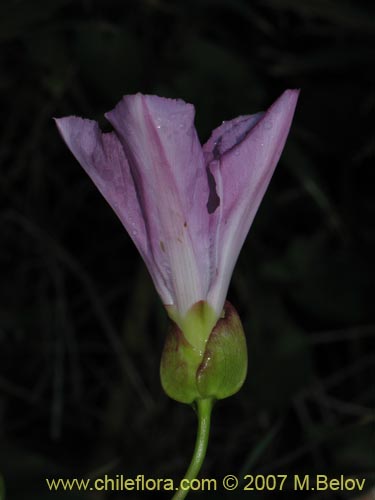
187, 208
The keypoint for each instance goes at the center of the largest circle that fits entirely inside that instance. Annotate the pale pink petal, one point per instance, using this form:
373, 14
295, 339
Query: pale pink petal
167, 164
241, 176
228, 134
102, 157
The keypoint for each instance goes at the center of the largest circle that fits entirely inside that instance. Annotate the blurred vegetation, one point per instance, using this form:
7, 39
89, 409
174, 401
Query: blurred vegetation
81, 328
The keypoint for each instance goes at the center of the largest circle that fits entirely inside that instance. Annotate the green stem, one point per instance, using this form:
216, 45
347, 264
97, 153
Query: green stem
204, 407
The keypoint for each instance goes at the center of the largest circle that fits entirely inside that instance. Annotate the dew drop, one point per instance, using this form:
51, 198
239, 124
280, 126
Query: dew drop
159, 122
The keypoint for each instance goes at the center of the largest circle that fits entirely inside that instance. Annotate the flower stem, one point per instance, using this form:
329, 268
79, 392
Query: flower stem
204, 407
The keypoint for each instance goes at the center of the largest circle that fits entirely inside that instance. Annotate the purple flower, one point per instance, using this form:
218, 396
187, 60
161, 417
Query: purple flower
187, 208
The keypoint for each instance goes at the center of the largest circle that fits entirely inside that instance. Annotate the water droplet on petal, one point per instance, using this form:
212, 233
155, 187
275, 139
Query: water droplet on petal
159, 123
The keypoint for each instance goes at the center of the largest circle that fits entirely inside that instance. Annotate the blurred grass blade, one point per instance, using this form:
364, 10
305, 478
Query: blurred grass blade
259, 449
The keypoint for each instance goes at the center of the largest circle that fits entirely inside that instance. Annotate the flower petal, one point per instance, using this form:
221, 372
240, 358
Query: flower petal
228, 135
102, 157
242, 168
167, 164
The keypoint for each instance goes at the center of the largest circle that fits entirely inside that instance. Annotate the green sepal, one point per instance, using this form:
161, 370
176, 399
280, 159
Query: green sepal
224, 366
179, 363
216, 369
196, 324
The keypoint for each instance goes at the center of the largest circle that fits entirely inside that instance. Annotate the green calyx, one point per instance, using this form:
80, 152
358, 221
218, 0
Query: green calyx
204, 357
196, 324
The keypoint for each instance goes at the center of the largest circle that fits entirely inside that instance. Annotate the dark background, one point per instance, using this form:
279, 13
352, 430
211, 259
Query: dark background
81, 327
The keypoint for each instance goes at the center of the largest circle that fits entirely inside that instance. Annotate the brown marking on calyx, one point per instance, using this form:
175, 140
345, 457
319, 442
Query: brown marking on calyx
226, 315
198, 307
162, 246
203, 365
175, 339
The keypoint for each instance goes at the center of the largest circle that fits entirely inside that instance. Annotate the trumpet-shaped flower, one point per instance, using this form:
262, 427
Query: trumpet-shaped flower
187, 208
